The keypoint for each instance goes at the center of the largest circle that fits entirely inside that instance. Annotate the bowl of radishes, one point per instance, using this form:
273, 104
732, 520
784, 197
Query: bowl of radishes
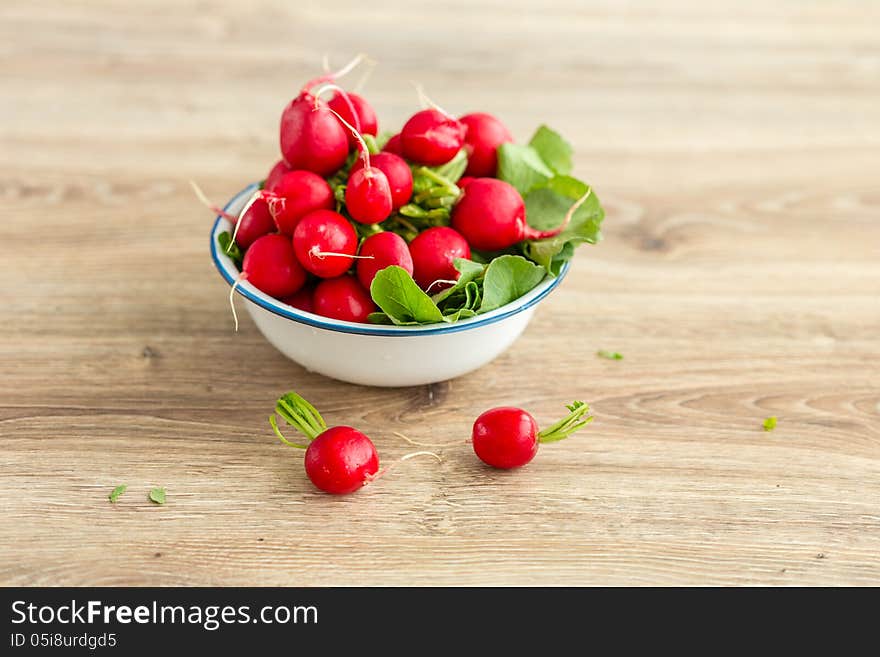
395, 259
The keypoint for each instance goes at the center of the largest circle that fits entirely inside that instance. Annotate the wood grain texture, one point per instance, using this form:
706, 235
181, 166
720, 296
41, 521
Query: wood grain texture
736, 148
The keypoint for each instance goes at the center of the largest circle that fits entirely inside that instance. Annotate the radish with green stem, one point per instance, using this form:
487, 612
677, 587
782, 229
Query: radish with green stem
491, 215
338, 460
508, 437
311, 136
433, 255
325, 243
342, 298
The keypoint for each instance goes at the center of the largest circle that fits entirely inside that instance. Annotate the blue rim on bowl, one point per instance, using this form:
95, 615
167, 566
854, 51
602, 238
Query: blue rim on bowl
229, 273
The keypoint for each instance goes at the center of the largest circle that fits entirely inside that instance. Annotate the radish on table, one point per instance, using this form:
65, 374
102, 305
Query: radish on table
338, 459
508, 437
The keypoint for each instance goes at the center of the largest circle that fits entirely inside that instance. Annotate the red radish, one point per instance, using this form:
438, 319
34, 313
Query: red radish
311, 136
431, 137
379, 251
484, 135
341, 460
364, 117
271, 266
397, 172
343, 298
301, 300
368, 195
491, 215
338, 460
464, 181
393, 145
367, 192
275, 173
300, 192
254, 221
508, 437
325, 243
433, 253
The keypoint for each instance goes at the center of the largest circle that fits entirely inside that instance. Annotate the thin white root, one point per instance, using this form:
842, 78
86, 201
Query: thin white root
407, 457
204, 200
232, 298
426, 101
365, 152
247, 206
348, 68
438, 281
324, 254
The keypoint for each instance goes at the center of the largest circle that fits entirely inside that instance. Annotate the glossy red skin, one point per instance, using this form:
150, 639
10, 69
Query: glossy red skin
369, 124
303, 192
254, 223
490, 214
433, 253
430, 137
311, 139
275, 173
393, 145
484, 135
397, 172
329, 232
343, 298
505, 437
464, 181
387, 249
301, 300
271, 266
341, 460
368, 196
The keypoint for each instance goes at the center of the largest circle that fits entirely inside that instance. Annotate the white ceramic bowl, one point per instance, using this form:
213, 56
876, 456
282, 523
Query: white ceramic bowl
379, 355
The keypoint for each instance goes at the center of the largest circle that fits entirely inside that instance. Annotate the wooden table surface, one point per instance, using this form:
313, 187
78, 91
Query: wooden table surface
736, 148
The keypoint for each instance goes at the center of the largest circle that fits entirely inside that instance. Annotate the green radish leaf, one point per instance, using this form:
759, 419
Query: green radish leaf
610, 355
469, 270
157, 495
522, 167
371, 143
379, 318
553, 149
546, 207
397, 294
116, 492
230, 248
770, 423
454, 169
507, 278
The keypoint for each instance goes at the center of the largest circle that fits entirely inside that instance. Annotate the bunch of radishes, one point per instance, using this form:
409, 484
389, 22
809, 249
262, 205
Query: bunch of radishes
342, 460
336, 210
